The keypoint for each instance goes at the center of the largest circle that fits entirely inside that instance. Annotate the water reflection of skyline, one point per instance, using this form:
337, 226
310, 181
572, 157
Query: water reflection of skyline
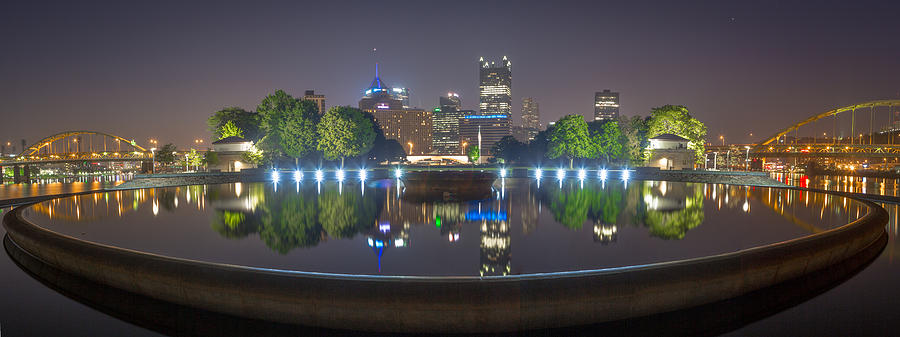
285, 219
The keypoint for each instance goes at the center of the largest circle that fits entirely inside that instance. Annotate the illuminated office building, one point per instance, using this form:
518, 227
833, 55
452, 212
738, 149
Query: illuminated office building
606, 105
410, 127
531, 115
445, 126
492, 129
495, 91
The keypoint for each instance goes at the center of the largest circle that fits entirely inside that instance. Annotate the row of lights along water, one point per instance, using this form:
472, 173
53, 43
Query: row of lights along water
561, 174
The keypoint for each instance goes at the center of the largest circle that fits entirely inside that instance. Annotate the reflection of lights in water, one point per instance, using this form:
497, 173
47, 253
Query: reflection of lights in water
319, 175
746, 207
384, 227
453, 237
237, 189
399, 243
363, 175
398, 173
155, 207
663, 187
582, 174
298, 175
603, 173
538, 174
502, 173
626, 175
560, 174
275, 176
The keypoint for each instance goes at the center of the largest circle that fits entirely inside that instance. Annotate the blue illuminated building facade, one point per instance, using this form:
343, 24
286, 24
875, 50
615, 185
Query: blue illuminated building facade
492, 127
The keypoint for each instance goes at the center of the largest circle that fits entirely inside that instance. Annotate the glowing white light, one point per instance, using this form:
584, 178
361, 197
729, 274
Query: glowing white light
275, 176
362, 174
398, 173
340, 175
626, 174
298, 176
320, 175
603, 174
503, 173
560, 174
538, 173
582, 174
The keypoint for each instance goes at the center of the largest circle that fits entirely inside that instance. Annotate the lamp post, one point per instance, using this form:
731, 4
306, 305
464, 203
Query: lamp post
723, 139
464, 146
152, 160
747, 159
410, 147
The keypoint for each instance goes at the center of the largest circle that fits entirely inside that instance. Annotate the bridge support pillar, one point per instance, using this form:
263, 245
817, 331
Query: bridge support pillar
27, 173
16, 177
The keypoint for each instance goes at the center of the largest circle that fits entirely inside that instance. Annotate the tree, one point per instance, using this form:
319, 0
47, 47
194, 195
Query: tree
275, 111
298, 130
508, 148
570, 138
634, 132
193, 159
253, 155
677, 120
474, 153
387, 150
166, 154
608, 140
246, 121
211, 158
345, 132
230, 130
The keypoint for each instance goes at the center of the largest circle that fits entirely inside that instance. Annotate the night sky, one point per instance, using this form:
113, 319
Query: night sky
159, 69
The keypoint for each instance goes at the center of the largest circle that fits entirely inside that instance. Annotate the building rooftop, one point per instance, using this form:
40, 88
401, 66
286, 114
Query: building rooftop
231, 140
669, 136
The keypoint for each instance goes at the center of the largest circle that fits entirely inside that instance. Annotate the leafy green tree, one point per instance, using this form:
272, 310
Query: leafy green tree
247, 121
298, 131
166, 154
345, 132
194, 159
253, 155
609, 140
387, 150
677, 120
276, 112
211, 158
508, 148
570, 138
474, 153
230, 130
634, 132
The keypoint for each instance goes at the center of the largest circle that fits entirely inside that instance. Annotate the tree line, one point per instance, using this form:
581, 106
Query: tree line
623, 141
285, 128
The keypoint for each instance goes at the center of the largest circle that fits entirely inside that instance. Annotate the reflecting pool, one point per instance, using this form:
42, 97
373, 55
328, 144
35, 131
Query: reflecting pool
372, 228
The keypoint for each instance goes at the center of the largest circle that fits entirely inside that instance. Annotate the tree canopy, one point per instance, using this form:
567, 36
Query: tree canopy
246, 121
570, 138
473, 153
230, 130
677, 120
345, 132
508, 148
166, 154
285, 120
608, 139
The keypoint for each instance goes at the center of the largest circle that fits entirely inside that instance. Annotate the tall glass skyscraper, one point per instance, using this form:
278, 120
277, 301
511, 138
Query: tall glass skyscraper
445, 128
494, 87
606, 105
531, 114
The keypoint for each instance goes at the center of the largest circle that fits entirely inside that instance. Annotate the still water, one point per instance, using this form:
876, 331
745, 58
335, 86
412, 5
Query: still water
373, 229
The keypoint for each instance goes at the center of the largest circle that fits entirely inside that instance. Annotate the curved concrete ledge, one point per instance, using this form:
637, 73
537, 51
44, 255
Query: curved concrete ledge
448, 304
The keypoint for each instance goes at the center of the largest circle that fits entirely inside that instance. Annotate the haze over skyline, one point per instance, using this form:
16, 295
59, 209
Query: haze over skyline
160, 69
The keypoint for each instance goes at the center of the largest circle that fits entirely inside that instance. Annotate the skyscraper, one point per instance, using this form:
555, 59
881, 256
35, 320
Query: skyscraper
310, 95
491, 127
410, 127
494, 87
531, 114
445, 127
606, 105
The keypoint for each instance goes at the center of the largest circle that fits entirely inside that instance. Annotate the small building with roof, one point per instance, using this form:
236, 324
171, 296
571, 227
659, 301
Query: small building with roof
670, 152
230, 152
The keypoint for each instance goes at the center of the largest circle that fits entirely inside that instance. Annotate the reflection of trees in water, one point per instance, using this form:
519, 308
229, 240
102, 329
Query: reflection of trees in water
669, 210
288, 219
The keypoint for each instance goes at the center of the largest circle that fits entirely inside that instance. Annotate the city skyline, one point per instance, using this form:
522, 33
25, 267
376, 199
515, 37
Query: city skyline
165, 68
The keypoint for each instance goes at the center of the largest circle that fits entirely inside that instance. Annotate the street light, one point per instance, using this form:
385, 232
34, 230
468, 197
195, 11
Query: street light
152, 160
410, 147
723, 139
464, 144
747, 159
